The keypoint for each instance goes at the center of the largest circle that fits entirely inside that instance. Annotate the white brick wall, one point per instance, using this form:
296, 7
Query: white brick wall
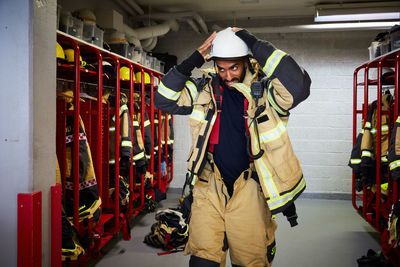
321, 127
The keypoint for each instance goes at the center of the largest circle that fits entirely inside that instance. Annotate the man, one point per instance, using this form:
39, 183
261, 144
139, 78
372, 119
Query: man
241, 162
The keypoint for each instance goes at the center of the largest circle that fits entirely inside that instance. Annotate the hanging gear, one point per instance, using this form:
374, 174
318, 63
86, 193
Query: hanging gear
228, 46
169, 232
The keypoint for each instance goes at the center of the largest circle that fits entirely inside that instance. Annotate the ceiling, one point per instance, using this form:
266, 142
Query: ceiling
214, 10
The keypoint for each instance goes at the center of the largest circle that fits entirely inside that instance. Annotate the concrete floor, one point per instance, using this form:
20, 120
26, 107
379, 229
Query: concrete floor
330, 234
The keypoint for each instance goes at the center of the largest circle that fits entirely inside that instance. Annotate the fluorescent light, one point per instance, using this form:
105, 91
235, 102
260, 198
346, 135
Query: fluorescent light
357, 17
357, 11
348, 26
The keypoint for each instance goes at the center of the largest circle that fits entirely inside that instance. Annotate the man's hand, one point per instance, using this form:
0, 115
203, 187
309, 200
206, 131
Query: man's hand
206, 46
234, 29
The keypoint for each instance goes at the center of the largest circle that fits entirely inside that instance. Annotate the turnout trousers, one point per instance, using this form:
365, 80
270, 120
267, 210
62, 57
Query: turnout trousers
242, 223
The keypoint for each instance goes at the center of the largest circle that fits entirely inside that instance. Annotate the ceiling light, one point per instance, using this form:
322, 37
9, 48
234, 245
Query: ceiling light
357, 11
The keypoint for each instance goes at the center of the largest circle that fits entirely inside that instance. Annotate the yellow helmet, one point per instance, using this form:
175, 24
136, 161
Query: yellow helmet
60, 52
139, 77
124, 73
69, 53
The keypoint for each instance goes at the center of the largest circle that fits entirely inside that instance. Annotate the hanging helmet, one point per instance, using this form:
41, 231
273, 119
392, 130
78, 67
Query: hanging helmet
228, 46
70, 55
139, 77
124, 73
60, 52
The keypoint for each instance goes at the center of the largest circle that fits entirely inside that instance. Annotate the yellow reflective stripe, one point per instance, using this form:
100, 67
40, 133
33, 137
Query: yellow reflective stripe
367, 125
194, 178
273, 61
355, 161
384, 159
169, 117
362, 131
384, 186
138, 156
122, 109
395, 164
272, 102
136, 123
265, 173
384, 128
168, 93
244, 88
198, 115
112, 129
69, 250
170, 142
192, 89
155, 120
398, 119
148, 156
126, 143
146, 123
111, 161
366, 154
285, 198
162, 117
273, 134
187, 230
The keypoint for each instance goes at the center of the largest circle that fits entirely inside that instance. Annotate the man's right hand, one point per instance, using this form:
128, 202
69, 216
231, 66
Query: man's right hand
206, 46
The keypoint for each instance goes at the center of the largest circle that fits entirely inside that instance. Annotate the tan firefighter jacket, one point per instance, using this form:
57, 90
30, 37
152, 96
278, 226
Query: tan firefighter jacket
278, 169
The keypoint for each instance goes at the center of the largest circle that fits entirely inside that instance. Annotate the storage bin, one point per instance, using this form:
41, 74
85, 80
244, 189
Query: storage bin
71, 25
395, 37
137, 55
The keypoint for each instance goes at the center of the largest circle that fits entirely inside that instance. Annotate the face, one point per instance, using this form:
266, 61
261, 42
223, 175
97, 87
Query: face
231, 71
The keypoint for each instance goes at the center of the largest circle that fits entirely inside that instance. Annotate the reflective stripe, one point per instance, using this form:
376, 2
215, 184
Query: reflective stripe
85, 184
284, 199
384, 159
367, 125
168, 93
362, 131
395, 164
273, 61
112, 129
355, 161
194, 178
244, 88
384, 186
156, 148
136, 123
122, 109
198, 115
70, 138
169, 117
273, 134
170, 142
265, 173
111, 161
192, 89
366, 154
126, 143
148, 156
398, 119
384, 128
155, 120
138, 156
146, 123
273, 103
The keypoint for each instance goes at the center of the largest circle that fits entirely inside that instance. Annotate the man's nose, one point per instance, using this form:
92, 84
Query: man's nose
228, 76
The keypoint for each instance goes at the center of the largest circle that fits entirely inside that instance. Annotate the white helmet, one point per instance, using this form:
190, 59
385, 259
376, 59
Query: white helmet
228, 46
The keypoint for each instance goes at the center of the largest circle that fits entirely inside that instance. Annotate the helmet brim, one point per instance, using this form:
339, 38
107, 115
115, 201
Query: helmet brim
227, 58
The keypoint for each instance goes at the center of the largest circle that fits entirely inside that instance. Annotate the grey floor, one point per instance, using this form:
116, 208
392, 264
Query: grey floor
330, 234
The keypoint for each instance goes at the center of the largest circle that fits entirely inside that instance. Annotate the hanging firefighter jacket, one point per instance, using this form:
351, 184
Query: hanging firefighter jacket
147, 127
363, 155
278, 169
170, 134
394, 151
89, 200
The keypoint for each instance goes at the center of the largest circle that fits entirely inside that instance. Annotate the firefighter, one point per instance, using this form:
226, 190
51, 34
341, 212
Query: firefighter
241, 165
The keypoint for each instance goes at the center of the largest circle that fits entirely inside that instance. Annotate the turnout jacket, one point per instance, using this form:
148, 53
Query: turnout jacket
394, 151
278, 169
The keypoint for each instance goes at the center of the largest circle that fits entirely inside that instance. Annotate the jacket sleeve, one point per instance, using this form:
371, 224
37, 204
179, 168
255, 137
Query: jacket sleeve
177, 91
290, 84
125, 133
147, 135
138, 147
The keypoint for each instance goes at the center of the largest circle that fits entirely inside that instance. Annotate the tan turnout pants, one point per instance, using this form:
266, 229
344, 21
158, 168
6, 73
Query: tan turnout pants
244, 218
